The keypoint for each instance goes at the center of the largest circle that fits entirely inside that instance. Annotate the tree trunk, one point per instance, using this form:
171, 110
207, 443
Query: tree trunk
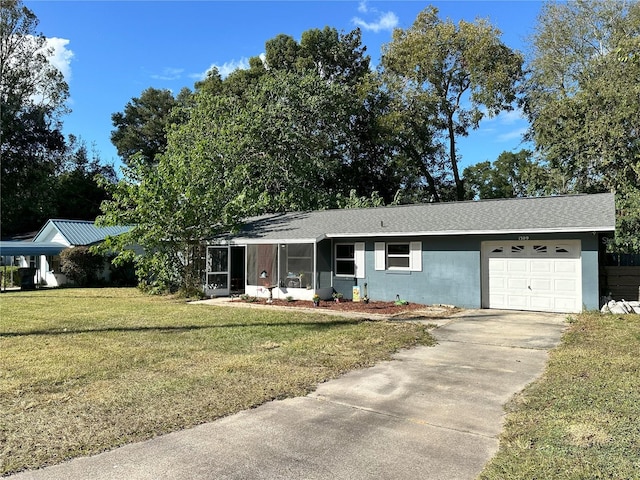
454, 160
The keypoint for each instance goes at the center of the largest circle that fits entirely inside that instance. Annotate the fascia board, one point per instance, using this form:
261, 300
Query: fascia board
269, 241
470, 232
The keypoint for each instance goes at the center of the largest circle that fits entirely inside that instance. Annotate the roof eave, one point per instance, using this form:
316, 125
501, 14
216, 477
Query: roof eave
472, 232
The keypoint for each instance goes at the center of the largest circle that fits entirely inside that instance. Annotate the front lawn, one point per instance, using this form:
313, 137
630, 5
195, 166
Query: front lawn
86, 370
581, 420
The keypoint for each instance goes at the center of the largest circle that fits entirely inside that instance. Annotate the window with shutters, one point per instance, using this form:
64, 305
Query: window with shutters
349, 259
345, 259
398, 256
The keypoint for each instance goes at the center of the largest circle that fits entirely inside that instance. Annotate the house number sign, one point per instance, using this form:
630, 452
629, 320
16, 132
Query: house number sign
523, 238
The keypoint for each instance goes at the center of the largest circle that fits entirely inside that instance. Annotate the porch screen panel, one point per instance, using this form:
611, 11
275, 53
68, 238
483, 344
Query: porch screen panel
296, 265
262, 258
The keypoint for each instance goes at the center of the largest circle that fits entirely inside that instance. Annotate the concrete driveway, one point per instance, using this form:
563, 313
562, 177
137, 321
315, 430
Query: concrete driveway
432, 413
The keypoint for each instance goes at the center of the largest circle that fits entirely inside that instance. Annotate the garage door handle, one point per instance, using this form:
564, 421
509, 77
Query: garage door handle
529, 287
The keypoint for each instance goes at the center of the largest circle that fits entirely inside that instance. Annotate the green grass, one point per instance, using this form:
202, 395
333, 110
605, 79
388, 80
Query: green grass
86, 370
581, 420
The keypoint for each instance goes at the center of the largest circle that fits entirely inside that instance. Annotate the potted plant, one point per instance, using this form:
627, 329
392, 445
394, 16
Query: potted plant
316, 300
337, 296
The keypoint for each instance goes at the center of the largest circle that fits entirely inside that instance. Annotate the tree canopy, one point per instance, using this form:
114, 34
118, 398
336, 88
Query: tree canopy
453, 74
583, 102
311, 126
510, 175
141, 128
33, 95
42, 175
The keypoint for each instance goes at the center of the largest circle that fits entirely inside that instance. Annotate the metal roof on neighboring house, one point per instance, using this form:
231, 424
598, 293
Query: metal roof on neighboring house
81, 232
570, 213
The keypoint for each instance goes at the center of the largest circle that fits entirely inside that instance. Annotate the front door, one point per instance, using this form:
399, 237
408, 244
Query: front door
217, 275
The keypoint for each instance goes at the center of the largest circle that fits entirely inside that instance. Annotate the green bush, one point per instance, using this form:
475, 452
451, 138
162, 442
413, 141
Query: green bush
80, 265
5, 275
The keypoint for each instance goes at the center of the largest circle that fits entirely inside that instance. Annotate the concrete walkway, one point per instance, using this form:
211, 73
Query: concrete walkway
432, 413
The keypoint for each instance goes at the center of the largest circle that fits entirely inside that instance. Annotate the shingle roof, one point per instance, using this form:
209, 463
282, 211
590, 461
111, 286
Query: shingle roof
82, 232
571, 213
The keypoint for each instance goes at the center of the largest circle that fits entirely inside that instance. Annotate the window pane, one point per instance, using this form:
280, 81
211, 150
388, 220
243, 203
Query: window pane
300, 250
216, 281
345, 267
217, 260
296, 265
402, 262
345, 251
399, 249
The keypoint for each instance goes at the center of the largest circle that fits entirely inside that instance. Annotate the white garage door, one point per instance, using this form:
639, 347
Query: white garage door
532, 275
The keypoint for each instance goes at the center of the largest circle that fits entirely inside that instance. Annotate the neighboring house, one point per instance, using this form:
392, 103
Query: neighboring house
540, 254
43, 252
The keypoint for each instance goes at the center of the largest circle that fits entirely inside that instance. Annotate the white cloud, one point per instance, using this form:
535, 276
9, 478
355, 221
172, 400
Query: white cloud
512, 135
60, 56
362, 7
386, 21
506, 126
169, 73
225, 69
510, 117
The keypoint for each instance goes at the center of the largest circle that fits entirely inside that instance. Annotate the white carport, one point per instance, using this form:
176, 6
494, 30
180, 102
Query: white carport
12, 249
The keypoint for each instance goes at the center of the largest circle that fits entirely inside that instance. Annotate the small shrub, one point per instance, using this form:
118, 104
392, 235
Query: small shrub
6, 276
289, 298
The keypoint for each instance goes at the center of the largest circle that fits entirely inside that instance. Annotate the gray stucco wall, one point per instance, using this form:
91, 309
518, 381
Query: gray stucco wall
451, 271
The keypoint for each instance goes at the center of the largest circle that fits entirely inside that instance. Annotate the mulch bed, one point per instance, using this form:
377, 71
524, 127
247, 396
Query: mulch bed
383, 308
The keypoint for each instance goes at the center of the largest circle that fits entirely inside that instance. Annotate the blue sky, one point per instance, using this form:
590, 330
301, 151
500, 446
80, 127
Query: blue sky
110, 51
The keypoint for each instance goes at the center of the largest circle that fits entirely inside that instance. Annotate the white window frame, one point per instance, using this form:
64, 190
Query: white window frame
358, 260
415, 256
399, 255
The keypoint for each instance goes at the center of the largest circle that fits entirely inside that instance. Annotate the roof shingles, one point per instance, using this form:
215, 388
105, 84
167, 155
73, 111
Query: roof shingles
571, 213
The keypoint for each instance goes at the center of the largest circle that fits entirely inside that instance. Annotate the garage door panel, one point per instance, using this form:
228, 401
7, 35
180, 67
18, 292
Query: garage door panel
542, 303
565, 285
498, 300
515, 266
533, 275
565, 266
517, 302
516, 283
541, 266
539, 285
567, 305
497, 265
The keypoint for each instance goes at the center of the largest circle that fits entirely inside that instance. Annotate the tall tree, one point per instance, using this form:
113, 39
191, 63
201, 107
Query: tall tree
141, 128
275, 149
583, 101
462, 70
78, 191
282, 53
32, 95
333, 55
510, 175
